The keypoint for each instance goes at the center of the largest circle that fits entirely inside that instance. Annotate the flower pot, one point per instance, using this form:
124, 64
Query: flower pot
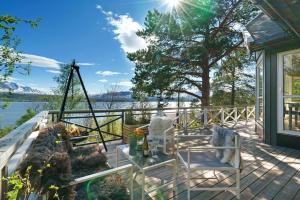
129, 129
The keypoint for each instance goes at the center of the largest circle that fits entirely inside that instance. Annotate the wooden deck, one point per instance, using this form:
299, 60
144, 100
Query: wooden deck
269, 173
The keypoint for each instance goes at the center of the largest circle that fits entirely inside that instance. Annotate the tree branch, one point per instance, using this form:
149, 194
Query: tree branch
184, 91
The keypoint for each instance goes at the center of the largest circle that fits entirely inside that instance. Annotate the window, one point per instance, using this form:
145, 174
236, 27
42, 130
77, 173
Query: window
289, 92
260, 90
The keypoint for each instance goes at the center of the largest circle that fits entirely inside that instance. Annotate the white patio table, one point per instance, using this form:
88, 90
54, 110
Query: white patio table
146, 164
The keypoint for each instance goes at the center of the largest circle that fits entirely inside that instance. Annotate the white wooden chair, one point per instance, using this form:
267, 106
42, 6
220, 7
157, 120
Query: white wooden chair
204, 158
164, 135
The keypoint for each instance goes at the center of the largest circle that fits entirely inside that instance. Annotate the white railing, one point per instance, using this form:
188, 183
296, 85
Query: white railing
188, 118
205, 117
10, 144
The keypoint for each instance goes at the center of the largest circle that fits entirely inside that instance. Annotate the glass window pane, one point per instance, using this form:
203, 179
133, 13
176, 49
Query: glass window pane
260, 92
291, 69
291, 114
260, 79
260, 109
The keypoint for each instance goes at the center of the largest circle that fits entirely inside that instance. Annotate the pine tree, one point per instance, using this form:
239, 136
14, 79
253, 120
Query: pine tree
234, 81
185, 44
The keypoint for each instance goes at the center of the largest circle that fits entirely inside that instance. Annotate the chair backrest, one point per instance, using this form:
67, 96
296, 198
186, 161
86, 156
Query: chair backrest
159, 124
224, 137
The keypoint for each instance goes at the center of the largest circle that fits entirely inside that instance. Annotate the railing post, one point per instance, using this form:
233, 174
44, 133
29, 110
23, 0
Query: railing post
185, 121
246, 111
123, 120
235, 115
222, 116
3, 183
205, 117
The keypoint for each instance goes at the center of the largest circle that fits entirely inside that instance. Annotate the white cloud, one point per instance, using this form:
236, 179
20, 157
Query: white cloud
103, 80
40, 61
124, 83
109, 73
86, 64
53, 71
9, 79
125, 28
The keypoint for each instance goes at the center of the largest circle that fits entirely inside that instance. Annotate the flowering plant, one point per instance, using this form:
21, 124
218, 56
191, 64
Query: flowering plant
138, 132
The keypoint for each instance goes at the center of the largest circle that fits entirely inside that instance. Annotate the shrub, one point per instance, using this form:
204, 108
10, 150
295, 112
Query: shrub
5, 131
111, 187
27, 116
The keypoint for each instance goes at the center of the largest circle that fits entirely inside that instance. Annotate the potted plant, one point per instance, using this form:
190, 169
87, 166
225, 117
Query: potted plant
133, 121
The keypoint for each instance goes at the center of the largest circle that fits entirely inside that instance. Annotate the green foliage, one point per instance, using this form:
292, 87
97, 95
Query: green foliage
27, 116
143, 117
9, 56
113, 127
75, 94
242, 98
19, 186
185, 44
129, 118
111, 187
4, 131
234, 81
16, 97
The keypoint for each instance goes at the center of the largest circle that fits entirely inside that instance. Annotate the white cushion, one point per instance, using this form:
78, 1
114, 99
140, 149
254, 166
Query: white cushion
159, 124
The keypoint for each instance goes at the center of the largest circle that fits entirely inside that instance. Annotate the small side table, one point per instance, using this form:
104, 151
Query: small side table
145, 164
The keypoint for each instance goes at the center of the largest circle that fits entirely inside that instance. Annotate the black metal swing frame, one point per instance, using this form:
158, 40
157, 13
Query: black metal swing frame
75, 69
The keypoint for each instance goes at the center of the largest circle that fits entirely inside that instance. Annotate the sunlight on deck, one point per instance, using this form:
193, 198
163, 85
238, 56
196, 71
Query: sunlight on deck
268, 173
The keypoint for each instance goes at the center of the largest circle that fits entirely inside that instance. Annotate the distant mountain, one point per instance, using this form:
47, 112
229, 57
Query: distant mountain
116, 96
13, 87
127, 96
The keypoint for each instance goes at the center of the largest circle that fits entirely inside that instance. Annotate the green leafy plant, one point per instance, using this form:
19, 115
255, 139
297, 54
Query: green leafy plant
19, 186
111, 187
4, 131
129, 118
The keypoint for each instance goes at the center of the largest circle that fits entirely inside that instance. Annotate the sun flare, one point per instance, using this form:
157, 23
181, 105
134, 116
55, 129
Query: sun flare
172, 3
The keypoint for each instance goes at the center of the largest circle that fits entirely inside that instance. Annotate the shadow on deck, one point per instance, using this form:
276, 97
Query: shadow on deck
269, 173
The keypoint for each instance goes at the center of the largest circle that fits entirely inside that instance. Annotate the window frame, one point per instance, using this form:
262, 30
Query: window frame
281, 96
260, 61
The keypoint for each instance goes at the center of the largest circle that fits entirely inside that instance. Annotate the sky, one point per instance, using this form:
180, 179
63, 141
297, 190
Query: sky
96, 33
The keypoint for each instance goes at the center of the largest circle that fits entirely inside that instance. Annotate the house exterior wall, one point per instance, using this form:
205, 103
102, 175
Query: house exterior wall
271, 134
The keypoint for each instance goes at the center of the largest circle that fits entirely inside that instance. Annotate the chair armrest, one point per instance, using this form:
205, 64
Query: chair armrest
98, 175
169, 129
145, 126
192, 136
210, 147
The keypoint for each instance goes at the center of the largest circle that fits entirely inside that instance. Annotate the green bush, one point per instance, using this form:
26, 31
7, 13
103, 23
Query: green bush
27, 116
111, 187
4, 131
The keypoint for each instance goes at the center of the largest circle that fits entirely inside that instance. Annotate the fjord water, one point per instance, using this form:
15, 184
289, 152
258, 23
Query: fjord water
15, 110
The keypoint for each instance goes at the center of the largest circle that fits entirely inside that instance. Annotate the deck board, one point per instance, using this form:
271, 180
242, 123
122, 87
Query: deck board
269, 173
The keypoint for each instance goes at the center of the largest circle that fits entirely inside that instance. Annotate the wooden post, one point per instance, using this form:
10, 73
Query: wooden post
123, 120
3, 183
205, 117
235, 115
246, 113
185, 121
222, 116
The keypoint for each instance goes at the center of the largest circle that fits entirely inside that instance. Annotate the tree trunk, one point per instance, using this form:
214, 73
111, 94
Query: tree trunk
205, 86
232, 98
